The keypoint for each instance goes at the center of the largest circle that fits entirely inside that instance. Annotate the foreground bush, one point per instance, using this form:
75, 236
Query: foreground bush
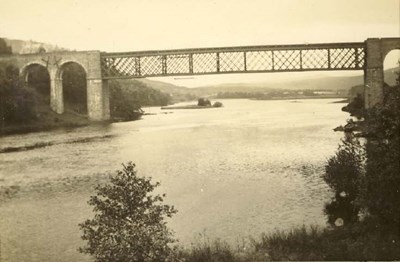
129, 222
382, 191
344, 173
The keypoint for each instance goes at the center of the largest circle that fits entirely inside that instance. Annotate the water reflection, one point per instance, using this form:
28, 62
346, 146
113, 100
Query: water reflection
249, 167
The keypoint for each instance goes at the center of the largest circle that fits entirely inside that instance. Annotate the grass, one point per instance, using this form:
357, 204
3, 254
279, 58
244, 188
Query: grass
46, 119
362, 241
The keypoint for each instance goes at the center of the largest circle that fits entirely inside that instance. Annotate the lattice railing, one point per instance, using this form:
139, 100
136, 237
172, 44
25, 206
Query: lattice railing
340, 56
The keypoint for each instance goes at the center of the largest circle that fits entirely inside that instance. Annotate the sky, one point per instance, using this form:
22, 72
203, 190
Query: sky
133, 25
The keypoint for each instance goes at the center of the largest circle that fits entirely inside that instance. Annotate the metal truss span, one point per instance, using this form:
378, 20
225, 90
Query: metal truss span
245, 59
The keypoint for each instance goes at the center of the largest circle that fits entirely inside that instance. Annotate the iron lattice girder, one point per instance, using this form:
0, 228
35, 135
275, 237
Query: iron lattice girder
246, 59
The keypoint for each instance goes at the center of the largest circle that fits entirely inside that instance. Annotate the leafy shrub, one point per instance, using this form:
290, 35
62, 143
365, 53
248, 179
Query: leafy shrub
369, 179
356, 106
344, 173
382, 192
129, 222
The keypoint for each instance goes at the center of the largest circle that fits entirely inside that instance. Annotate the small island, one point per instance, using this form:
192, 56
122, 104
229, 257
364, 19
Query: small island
202, 103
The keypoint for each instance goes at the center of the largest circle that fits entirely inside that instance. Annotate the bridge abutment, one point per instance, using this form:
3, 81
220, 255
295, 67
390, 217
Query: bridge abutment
56, 95
98, 100
373, 73
376, 50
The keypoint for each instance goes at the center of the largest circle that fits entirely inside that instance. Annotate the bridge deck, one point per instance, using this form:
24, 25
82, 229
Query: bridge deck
244, 59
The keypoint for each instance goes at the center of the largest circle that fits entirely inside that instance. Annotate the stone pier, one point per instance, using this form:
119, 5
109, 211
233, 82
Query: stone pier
376, 51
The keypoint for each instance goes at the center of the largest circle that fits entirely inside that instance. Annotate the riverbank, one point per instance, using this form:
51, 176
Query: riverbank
300, 97
362, 241
201, 104
46, 120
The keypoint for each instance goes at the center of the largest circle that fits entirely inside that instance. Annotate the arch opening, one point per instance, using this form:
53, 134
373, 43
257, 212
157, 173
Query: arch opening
74, 85
391, 67
37, 78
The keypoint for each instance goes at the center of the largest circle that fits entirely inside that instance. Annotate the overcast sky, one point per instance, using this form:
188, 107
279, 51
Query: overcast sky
132, 25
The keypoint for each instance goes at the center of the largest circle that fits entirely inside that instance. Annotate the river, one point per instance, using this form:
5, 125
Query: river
231, 172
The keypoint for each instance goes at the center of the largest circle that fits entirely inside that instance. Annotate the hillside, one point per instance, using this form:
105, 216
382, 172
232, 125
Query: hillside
177, 93
30, 47
139, 93
165, 87
320, 83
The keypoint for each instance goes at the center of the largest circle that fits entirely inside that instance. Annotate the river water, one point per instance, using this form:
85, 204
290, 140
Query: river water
231, 172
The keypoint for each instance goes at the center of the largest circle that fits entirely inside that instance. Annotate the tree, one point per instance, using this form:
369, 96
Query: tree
129, 222
366, 177
344, 173
382, 192
123, 103
204, 102
4, 48
356, 106
17, 103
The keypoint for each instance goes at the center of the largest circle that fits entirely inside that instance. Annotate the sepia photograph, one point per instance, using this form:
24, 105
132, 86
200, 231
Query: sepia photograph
199, 131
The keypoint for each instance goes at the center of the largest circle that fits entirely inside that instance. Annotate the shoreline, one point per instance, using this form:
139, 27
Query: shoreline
299, 98
50, 122
186, 107
70, 120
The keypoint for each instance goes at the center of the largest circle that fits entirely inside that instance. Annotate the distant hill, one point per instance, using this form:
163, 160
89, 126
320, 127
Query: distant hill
335, 84
391, 75
321, 83
165, 87
156, 93
233, 87
31, 47
178, 93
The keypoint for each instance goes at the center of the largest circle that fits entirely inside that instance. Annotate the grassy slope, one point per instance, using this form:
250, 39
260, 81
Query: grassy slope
320, 83
46, 119
362, 241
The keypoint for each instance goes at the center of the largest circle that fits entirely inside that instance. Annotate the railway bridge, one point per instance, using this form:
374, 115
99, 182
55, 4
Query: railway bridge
101, 67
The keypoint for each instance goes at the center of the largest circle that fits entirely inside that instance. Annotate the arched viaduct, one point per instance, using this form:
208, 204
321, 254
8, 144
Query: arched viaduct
100, 67
97, 91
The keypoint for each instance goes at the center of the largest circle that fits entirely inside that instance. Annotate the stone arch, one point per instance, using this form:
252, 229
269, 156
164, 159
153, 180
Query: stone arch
71, 78
376, 51
24, 70
67, 62
389, 45
36, 75
391, 62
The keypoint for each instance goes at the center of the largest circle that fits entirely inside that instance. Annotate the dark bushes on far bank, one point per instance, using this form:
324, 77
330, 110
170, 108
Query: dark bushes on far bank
127, 98
17, 103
